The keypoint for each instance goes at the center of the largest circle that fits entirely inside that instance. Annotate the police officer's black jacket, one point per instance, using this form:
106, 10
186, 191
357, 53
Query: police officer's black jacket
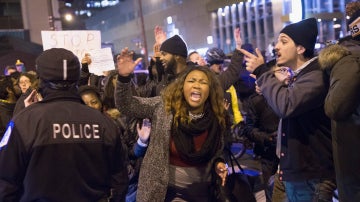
61, 150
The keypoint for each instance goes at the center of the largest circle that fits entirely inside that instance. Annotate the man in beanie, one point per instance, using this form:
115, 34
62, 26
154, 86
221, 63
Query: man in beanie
173, 55
59, 149
173, 61
304, 134
342, 104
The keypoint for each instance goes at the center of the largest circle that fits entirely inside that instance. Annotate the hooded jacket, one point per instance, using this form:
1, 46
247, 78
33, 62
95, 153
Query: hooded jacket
342, 105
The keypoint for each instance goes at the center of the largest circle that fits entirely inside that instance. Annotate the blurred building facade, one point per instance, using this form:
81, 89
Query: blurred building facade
202, 23
209, 23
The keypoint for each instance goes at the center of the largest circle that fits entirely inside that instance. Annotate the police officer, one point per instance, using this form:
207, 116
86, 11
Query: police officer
59, 149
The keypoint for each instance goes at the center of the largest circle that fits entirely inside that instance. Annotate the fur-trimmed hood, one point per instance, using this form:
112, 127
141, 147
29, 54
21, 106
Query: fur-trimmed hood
330, 55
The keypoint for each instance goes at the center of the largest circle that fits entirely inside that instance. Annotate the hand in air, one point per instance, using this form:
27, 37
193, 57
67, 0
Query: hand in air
144, 131
156, 49
160, 35
253, 60
125, 62
86, 59
32, 98
237, 37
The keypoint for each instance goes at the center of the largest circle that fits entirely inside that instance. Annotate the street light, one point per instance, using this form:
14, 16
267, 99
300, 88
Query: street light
68, 17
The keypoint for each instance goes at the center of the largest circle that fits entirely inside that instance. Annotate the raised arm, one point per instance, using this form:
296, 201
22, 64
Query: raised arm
124, 99
160, 35
126, 64
237, 38
231, 75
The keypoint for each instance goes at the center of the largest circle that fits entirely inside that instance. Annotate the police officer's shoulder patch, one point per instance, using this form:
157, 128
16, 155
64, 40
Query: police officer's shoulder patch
7, 134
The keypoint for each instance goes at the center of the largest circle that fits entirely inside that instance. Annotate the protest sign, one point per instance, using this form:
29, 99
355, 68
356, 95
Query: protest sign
101, 60
77, 41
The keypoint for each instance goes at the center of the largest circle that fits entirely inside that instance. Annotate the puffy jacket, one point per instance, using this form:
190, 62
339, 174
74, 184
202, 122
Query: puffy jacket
342, 105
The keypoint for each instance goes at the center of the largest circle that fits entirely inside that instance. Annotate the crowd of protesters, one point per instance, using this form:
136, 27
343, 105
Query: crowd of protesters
69, 135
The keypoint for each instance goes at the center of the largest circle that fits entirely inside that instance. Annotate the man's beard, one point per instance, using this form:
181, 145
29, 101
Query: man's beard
171, 67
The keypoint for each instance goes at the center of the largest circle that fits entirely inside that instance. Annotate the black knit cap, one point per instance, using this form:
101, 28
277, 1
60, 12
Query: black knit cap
58, 64
303, 33
175, 45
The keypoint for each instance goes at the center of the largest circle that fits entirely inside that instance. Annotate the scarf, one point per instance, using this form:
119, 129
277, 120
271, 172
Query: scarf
184, 142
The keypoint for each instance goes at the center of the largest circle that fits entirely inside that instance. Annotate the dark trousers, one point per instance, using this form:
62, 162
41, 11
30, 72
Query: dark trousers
268, 168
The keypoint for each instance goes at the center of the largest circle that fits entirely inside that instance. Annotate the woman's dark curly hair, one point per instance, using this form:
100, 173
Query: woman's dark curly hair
173, 96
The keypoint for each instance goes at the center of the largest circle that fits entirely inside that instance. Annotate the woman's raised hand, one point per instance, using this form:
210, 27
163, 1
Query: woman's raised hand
237, 37
125, 62
160, 35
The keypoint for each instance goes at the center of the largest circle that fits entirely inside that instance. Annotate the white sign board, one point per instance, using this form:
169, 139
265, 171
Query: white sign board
77, 41
101, 60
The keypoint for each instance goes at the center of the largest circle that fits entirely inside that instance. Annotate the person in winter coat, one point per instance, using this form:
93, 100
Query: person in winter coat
304, 134
59, 149
342, 105
187, 134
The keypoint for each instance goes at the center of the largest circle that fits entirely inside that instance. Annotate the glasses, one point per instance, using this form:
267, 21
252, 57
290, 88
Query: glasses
282, 70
